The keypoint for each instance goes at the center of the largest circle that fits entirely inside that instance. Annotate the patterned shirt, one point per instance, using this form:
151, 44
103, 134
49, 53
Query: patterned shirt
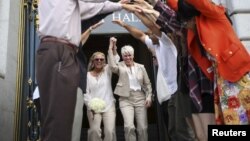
168, 19
199, 84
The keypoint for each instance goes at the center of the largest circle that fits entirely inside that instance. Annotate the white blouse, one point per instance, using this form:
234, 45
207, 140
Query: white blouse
100, 87
134, 84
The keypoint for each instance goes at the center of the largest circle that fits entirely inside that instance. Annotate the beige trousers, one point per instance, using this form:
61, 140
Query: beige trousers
77, 124
108, 118
132, 107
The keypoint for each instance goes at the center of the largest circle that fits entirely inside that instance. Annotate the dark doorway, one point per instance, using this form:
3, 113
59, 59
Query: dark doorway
143, 56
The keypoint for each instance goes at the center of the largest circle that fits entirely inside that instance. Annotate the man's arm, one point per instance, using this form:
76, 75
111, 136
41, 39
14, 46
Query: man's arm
145, 12
147, 21
162, 15
131, 7
90, 9
151, 13
136, 33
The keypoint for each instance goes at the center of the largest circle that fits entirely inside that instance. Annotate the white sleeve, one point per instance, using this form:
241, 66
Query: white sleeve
167, 42
111, 7
87, 97
91, 9
149, 42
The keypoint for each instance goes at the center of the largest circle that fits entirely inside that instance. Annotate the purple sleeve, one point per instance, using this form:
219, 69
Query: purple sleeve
167, 19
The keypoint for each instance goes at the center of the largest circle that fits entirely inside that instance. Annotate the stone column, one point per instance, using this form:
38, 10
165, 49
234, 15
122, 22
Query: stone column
240, 14
9, 26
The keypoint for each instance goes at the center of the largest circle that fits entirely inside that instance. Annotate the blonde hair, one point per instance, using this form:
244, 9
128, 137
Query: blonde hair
127, 49
92, 58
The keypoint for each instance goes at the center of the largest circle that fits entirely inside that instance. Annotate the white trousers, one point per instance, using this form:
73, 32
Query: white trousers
132, 107
108, 118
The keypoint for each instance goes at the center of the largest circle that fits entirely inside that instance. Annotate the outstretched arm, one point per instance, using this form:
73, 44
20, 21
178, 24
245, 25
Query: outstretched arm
91, 9
85, 35
151, 13
148, 22
163, 17
131, 7
136, 33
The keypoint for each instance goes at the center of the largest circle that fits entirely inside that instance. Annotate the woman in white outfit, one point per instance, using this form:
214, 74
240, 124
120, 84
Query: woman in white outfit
99, 86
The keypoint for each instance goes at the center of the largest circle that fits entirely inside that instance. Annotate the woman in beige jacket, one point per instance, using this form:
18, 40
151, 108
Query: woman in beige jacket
134, 89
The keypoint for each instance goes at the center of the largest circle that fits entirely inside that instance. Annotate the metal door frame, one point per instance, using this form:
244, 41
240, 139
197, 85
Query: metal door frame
27, 124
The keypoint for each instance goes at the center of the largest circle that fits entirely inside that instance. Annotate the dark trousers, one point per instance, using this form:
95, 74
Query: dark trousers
164, 110
178, 128
164, 114
58, 78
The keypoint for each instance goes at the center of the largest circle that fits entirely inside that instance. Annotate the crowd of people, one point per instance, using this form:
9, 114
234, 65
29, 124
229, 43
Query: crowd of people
203, 75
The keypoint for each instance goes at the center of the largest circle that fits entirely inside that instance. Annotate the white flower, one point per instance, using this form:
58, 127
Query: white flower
97, 105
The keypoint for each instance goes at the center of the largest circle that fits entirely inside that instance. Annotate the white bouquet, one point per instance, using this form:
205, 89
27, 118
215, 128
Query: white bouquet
97, 105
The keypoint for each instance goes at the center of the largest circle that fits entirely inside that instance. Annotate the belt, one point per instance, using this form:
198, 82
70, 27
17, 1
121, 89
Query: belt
59, 40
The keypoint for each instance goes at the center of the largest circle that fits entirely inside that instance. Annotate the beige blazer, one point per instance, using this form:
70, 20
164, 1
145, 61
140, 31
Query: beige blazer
122, 87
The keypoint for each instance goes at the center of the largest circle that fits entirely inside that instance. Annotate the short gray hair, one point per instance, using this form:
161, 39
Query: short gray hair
127, 49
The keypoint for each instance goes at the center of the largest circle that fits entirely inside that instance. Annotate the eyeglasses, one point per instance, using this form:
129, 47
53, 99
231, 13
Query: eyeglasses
99, 59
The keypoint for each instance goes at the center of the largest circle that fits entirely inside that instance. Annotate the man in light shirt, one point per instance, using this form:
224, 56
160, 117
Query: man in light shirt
167, 75
56, 64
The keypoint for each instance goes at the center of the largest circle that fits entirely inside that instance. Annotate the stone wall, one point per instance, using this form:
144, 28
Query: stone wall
239, 11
